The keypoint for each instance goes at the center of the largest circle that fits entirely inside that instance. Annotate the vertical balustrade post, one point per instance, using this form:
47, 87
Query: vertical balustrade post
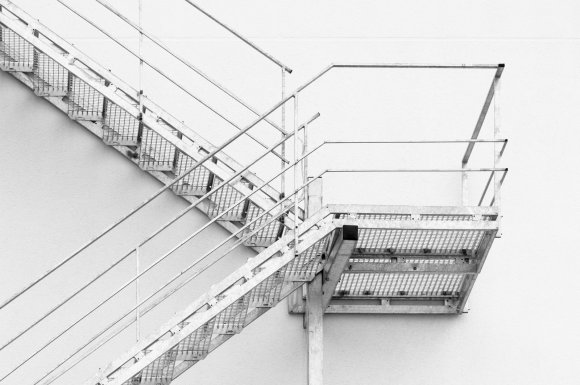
497, 178
283, 126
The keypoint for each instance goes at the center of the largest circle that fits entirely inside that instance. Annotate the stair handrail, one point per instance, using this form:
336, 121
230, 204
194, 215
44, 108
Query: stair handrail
144, 271
121, 85
169, 78
150, 307
184, 61
242, 38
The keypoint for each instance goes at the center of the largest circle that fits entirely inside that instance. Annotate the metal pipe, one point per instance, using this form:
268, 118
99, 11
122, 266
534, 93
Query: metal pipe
185, 62
483, 113
254, 46
163, 189
157, 301
414, 170
160, 72
158, 231
154, 264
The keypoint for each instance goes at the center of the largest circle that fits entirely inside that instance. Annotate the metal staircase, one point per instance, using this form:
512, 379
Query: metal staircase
325, 258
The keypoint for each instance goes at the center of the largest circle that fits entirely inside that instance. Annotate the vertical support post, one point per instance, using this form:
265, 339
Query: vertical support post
497, 149
464, 185
283, 147
137, 296
140, 75
295, 171
314, 314
305, 169
137, 286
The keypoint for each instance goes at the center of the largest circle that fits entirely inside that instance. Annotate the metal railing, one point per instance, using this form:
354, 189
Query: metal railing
289, 204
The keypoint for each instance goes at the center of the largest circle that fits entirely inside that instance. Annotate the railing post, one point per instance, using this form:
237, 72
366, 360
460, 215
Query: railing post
283, 125
295, 171
137, 295
497, 147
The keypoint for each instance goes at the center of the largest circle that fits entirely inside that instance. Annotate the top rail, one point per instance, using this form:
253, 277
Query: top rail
236, 34
184, 61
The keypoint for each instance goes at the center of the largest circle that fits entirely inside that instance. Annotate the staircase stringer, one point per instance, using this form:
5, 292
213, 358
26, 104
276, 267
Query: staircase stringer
156, 111
196, 315
96, 128
109, 92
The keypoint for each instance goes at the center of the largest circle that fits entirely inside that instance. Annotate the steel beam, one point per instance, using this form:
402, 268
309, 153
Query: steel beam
338, 259
314, 316
416, 268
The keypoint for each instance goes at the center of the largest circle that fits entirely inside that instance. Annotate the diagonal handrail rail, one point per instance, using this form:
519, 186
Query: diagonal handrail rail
123, 87
144, 271
239, 36
184, 61
169, 78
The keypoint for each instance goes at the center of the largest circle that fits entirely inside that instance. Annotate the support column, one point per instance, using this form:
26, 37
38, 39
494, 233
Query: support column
314, 314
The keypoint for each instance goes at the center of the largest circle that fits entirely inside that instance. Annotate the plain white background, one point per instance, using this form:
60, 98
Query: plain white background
61, 185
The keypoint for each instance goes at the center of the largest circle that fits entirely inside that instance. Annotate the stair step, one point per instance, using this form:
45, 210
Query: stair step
197, 182
160, 372
84, 102
50, 78
267, 294
268, 234
232, 319
119, 127
196, 346
17, 54
224, 198
157, 154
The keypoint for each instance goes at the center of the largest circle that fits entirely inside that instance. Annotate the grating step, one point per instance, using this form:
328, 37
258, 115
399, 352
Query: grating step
196, 182
119, 127
157, 154
268, 234
224, 198
232, 319
196, 346
84, 102
50, 78
17, 55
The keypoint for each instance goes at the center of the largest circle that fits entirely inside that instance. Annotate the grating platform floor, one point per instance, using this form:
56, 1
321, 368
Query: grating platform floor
408, 259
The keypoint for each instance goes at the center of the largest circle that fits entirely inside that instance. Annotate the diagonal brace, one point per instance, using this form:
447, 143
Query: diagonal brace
338, 259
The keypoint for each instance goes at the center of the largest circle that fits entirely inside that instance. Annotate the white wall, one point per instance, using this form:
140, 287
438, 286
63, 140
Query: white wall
60, 185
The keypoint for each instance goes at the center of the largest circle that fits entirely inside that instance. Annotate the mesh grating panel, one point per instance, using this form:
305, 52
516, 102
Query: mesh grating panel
231, 320
50, 78
196, 182
384, 217
269, 234
16, 53
120, 127
420, 241
304, 266
156, 152
399, 285
159, 372
196, 345
267, 293
84, 102
224, 198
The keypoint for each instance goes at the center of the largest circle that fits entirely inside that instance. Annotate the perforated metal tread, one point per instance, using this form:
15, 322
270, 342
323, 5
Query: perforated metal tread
51, 72
412, 262
224, 311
